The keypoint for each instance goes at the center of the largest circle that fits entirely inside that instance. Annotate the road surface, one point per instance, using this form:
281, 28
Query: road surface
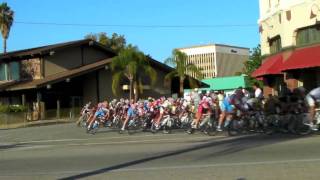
67, 152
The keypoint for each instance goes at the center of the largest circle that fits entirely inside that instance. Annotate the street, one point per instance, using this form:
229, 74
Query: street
67, 152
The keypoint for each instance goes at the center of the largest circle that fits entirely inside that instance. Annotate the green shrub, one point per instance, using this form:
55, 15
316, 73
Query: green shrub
4, 108
12, 108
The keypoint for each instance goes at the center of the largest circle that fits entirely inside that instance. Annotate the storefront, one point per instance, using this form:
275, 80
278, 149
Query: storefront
290, 69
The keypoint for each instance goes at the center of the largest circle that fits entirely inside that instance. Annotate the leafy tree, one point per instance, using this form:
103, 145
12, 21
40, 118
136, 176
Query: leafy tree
179, 61
254, 62
6, 21
115, 42
132, 65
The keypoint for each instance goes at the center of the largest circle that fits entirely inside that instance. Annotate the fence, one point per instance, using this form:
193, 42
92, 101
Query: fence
24, 119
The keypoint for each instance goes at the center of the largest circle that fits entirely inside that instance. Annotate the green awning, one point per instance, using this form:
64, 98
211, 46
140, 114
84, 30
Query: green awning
226, 83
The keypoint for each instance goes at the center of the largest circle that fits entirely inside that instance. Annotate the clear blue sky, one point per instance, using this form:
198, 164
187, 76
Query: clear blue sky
158, 42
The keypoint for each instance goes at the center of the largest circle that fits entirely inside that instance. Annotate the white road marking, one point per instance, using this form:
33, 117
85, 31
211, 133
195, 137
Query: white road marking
185, 140
143, 141
108, 138
220, 165
261, 163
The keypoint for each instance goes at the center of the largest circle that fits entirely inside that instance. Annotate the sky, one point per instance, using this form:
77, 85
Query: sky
155, 26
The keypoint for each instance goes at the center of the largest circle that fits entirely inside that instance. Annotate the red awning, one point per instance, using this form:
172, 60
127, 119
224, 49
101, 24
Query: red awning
303, 58
270, 66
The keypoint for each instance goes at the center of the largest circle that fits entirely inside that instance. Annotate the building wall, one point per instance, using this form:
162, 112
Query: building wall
230, 60
71, 58
203, 57
90, 88
205, 62
105, 85
62, 60
284, 17
91, 55
217, 60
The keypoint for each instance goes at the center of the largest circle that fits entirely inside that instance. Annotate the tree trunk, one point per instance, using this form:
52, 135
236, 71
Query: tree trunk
4, 45
181, 86
136, 91
130, 90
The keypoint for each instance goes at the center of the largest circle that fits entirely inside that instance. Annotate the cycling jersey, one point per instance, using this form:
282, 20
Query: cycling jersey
315, 93
313, 96
130, 112
227, 106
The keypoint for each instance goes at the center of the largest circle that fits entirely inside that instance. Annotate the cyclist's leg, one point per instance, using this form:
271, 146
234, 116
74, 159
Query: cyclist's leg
312, 107
125, 122
221, 119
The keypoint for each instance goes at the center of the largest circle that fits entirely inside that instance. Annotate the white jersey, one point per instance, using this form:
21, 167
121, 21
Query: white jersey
315, 93
258, 93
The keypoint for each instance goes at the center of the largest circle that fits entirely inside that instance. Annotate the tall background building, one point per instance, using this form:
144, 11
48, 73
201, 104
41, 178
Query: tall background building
217, 60
287, 23
290, 42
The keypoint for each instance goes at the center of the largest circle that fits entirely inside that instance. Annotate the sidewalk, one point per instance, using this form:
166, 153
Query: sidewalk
36, 123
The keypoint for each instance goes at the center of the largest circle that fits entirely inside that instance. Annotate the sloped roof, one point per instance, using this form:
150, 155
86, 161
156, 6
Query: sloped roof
42, 50
59, 76
22, 54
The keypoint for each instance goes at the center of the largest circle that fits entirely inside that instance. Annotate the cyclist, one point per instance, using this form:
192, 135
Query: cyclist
101, 111
159, 104
203, 109
131, 112
312, 98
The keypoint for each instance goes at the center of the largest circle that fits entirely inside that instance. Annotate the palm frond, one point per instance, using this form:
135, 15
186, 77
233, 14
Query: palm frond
194, 69
140, 86
168, 77
151, 73
192, 82
171, 62
116, 80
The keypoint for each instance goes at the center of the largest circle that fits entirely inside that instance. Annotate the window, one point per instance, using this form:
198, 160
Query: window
275, 44
14, 71
10, 71
308, 35
3, 72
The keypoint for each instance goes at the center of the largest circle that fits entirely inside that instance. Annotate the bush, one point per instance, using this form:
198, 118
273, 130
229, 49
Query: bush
12, 108
4, 108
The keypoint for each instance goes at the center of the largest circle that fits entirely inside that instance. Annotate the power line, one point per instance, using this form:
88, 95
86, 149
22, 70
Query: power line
137, 26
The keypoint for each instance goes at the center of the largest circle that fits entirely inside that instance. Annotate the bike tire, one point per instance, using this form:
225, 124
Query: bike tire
153, 128
303, 129
233, 129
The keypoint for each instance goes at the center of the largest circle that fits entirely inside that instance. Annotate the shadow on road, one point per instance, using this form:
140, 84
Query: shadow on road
11, 146
228, 146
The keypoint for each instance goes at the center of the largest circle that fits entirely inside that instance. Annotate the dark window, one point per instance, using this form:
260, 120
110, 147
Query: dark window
275, 44
3, 72
14, 71
308, 35
10, 71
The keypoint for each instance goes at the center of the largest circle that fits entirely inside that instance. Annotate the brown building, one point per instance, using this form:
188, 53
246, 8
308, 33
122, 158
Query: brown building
67, 75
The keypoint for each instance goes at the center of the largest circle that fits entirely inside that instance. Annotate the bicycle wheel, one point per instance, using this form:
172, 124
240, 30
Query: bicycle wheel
302, 129
233, 128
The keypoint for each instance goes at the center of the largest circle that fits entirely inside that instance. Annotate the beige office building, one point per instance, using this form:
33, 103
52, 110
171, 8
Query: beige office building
217, 60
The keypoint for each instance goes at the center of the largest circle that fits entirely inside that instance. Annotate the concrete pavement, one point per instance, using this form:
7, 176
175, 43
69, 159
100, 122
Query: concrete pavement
67, 152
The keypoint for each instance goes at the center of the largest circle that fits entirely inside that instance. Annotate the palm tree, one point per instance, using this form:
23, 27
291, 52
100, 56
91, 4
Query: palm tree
133, 65
6, 20
179, 62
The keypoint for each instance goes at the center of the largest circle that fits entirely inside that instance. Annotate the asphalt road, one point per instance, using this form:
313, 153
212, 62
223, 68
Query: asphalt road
67, 152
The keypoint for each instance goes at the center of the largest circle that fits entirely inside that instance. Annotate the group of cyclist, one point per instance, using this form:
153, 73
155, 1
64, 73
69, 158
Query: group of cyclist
215, 104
